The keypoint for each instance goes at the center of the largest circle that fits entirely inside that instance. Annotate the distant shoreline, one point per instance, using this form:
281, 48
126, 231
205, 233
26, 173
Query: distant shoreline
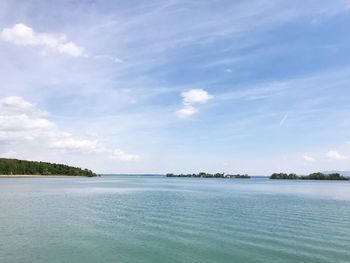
36, 175
209, 175
313, 176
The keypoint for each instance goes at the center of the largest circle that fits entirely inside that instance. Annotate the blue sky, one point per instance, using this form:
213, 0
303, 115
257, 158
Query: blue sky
177, 86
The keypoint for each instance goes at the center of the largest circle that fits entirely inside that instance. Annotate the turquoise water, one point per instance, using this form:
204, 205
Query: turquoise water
158, 219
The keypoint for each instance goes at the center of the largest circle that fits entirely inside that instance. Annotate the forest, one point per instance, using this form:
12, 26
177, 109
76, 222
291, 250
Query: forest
22, 167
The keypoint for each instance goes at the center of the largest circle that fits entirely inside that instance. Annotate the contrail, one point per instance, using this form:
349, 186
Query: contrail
283, 119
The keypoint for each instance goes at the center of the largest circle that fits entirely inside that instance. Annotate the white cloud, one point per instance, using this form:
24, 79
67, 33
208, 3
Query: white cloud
186, 111
69, 143
24, 122
189, 98
332, 154
23, 35
21, 121
71, 49
228, 70
120, 155
14, 104
195, 96
308, 158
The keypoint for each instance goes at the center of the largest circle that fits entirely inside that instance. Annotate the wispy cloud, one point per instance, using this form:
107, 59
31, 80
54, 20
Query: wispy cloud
308, 158
110, 58
255, 93
121, 155
333, 154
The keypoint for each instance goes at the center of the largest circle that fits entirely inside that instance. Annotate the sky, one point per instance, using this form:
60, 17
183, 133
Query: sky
177, 86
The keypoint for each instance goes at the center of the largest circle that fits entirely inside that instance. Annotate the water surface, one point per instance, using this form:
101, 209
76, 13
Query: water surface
159, 219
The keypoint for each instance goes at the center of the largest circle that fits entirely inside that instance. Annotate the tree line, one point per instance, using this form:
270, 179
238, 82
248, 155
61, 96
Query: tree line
313, 176
22, 167
209, 175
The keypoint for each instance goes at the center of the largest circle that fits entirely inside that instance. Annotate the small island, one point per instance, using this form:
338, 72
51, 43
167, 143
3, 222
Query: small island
209, 175
13, 167
313, 176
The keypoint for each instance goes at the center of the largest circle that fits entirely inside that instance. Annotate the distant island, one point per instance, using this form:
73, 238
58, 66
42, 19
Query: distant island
22, 167
208, 175
313, 176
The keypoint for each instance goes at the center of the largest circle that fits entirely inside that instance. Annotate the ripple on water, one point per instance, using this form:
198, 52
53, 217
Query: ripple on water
159, 220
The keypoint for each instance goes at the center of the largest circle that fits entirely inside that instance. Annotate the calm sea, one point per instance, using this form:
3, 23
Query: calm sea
157, 219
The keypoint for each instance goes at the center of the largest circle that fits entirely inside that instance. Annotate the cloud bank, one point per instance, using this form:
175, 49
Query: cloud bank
23, 122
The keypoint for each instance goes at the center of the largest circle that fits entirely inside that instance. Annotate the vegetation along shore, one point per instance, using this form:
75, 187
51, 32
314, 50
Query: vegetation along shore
208, 175
285, 176
313, 176
14, 167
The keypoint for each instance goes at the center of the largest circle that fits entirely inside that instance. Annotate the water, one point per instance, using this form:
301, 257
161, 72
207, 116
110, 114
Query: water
158, 219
